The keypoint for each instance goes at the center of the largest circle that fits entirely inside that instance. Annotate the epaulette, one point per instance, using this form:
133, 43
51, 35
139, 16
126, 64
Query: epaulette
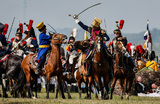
121, 38
34, 38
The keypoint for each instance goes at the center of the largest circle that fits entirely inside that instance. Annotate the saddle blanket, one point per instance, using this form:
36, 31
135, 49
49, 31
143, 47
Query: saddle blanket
2, 59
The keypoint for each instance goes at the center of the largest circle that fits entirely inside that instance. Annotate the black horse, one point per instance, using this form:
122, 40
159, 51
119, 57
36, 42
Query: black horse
11, 69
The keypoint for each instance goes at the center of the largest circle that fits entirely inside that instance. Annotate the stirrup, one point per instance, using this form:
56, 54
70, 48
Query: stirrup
135, 69
37, 71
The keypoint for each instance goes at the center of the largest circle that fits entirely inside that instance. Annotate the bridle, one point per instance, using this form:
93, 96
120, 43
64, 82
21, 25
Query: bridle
55, 38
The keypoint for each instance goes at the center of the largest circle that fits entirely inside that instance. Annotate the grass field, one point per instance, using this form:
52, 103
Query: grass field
75, 100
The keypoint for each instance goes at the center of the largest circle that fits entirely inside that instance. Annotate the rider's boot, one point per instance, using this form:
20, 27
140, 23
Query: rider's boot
132, 64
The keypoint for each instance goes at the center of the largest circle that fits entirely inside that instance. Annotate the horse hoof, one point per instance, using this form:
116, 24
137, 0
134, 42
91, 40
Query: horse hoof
69, 97
34, 97
63, 97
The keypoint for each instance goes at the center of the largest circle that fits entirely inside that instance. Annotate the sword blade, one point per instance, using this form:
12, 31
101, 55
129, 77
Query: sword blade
88, 8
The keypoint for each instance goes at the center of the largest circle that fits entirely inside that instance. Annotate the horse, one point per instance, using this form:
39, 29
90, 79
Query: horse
67, 77
122, 71
11, 68
53, 66
82, 71
101, 66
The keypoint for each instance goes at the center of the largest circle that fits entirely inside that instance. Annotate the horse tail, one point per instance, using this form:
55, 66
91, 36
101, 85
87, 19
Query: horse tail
20, 82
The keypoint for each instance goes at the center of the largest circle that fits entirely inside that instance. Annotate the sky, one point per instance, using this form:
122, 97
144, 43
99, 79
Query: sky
55, 12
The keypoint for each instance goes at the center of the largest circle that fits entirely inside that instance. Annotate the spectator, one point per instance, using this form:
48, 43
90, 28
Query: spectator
139, 86
151, 63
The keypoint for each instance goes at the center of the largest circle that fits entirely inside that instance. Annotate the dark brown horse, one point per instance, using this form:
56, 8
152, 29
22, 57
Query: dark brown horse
82, 71
53, 66
101, 67
122, 71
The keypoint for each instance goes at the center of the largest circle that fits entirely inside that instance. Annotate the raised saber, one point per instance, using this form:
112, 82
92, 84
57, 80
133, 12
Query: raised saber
84, 10
10, 29
52, 27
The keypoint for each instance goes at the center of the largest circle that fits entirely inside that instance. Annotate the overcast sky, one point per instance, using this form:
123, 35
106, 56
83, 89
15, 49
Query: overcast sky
55, 12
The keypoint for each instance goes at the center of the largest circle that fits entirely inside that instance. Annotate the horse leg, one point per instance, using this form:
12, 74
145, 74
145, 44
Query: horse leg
60, 85
106, 87
48, 81
68, 91
4, 86
36, 88
121, 82
112, 86
129, 88
79, 88
90, 85
99, 84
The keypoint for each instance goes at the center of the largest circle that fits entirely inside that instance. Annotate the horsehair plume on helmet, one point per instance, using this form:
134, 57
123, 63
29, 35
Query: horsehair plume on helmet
74, 32
21, 27
5, 29
120, 25
30, 24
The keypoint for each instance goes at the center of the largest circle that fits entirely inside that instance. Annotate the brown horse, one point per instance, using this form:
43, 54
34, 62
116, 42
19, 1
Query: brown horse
53, 66
101, 67
82, 71
122, 71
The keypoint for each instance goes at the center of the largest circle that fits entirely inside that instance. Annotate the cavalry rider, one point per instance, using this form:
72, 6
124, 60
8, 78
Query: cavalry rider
31, 42
119, 37
3, 42
17, 46
72, 52
93, 30
44, 46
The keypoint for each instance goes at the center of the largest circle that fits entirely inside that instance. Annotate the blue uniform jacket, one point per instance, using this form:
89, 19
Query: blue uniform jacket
43, 40
89, 29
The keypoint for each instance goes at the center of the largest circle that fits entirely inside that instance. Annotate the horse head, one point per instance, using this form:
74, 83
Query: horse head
98, 43
58, 39
82, 45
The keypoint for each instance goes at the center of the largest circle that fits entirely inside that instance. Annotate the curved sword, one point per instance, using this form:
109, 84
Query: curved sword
84, 10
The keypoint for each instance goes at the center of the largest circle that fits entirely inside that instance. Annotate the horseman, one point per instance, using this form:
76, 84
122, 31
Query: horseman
16, 44
31, 42
119, 37
44, 46
72, 52
93, 30
3, 42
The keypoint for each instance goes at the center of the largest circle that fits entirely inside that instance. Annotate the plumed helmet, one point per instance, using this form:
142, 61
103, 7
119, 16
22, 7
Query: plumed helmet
117, 31
2, 26
71, 37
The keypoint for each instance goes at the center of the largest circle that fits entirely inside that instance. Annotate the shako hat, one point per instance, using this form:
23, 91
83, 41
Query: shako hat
41, 26
96, 22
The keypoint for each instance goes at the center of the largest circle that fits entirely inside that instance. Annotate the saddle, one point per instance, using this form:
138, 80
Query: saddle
33, 61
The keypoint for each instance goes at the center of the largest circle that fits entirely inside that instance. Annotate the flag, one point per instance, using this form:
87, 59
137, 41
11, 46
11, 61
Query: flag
148, 40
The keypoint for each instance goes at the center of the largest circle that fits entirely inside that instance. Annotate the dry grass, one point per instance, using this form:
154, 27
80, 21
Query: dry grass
75, 100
